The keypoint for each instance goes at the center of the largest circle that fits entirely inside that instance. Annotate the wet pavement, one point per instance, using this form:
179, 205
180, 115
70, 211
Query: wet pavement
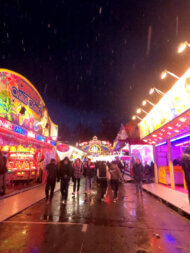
85, 224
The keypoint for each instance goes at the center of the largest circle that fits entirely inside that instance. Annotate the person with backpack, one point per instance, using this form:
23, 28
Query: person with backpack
52, 175
3, 171
102, 178
77, 173
185, 162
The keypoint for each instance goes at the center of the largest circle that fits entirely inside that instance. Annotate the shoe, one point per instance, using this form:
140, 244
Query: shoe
73, 194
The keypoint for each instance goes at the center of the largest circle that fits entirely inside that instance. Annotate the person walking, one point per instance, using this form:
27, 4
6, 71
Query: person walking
52, 175
102, 178
89, 172
185, 162
3, 171
65, 172
116, 178
77, 173
138, 175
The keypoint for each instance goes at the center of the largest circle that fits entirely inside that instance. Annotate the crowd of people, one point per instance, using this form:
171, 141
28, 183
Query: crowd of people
106, 174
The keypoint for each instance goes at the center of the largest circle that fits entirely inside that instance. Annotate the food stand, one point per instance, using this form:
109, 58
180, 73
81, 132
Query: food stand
27, 134
167, 128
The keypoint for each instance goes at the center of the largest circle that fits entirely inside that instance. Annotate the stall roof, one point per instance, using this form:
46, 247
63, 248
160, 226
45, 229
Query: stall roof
176, 127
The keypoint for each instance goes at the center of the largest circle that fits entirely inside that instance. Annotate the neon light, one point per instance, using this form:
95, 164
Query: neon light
6, 124
20, 130
31, 134
40, 138
162, 143
53, 143
179, 138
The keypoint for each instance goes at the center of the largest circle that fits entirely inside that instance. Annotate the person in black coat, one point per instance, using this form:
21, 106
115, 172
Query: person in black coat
3, 171
65, 173
52, 174
138, 175
185, 162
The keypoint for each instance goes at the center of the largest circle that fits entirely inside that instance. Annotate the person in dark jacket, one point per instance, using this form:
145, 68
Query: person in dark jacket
3, 171
138, 175
185, 162
116, 177
52, 175
65, 173
77, 173
102, 177
89, 172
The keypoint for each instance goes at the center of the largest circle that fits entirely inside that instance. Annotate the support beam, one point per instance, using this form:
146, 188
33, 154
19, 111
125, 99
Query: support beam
170, 163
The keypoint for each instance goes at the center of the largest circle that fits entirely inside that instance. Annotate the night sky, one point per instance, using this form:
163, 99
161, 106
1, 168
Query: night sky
92, 59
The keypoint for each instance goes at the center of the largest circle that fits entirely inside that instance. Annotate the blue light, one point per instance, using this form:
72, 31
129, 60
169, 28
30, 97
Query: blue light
40, 138
180, 137
20, 130
53, 143
162, 143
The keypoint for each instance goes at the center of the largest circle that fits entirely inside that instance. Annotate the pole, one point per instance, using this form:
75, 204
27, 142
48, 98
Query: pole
155, 165
170, 162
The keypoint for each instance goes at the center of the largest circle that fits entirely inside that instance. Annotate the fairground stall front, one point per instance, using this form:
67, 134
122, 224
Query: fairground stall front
97, 150
128, 146
64, 150
167, 127
27, 134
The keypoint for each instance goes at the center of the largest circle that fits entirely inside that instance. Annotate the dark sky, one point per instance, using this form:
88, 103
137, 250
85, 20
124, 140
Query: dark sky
89, 59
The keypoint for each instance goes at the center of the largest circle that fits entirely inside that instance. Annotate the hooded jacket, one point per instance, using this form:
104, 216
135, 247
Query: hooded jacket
138, 172
65, 170
185, 160
52, 173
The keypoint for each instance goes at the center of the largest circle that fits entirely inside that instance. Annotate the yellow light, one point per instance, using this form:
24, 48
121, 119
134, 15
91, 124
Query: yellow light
163, 75
151, 91
138, 110
134, 118
144, 102
182, 47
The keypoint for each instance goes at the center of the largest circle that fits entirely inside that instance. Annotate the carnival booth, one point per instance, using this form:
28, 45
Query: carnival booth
27, 134
167, 127
64, 150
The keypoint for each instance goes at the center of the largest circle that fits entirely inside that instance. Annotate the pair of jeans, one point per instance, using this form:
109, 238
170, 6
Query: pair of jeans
50, 186
115, 186
138, 186
3, 183
64, 188
187, 179
103, 186
76, 181
88, 183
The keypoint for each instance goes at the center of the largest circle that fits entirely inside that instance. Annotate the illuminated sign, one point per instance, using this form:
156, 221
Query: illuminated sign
6, 124
53, 143
31, 134
172, 104
40, 138
95, 149
21, 104
20, 130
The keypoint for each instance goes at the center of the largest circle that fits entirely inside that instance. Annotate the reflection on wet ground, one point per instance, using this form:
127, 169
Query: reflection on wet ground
132, 224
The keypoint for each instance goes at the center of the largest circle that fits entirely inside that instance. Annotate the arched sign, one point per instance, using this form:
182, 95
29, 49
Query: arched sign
22, 104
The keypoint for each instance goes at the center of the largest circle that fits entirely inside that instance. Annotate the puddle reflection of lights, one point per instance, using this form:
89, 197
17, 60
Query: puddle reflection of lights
169, 238
133, 212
